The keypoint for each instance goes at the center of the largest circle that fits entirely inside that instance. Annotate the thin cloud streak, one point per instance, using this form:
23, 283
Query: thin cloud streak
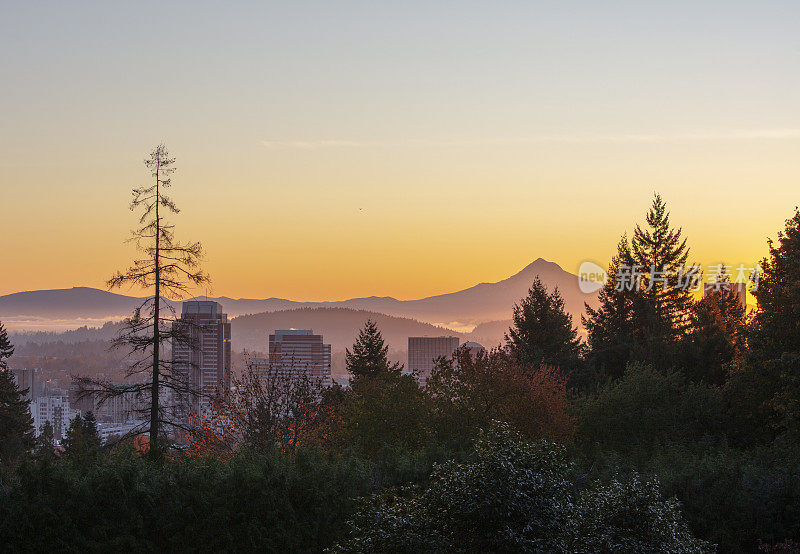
310, 144
735, 135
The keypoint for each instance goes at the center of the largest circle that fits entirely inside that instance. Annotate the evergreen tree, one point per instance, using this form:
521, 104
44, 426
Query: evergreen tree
90, 432
776, 330
775, 335
45, 443
610, 329
542, 332
74, 442
16, 425
369, 354
383, 409
168, 269
82, 439
662, 305
716, 341
645, 305
6, 348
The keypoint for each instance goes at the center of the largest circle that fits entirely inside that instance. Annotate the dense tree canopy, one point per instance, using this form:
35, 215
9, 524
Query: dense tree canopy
516, 496
716, 341
16, 424
82, 441
646, 410
543, 332
470, 390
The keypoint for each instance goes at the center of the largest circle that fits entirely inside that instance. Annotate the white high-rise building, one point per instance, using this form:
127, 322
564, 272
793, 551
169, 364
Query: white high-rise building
56, 410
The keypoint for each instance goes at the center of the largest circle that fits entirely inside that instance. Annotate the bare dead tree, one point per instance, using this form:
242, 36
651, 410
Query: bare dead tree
281, 403
273, 404
168, 268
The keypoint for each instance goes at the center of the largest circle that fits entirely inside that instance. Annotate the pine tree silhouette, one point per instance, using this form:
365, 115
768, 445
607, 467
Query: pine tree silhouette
369, 354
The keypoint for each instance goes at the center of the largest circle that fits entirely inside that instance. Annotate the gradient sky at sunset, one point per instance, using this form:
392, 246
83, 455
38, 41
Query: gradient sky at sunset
337, 149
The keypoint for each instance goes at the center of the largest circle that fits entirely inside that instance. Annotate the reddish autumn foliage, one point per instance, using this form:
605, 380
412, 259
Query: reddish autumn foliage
472, 389
212, 435
461, 395
264, 409
141, 444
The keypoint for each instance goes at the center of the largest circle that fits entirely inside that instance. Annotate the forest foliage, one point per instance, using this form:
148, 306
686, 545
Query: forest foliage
672, 428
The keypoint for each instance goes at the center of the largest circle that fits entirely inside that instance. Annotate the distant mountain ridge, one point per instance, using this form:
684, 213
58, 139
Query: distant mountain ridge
484, 302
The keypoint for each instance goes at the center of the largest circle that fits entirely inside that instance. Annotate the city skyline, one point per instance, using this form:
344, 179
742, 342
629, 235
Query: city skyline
407, 152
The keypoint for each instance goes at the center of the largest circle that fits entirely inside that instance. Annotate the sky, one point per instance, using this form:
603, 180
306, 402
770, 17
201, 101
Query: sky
330, 150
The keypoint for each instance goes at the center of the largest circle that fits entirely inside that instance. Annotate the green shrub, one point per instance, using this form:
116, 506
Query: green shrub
735, 499
645, 410
515, 496
256, 501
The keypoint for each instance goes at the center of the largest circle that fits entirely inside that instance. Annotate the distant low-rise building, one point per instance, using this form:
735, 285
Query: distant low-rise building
111, 431
79, 401
475, 348
120, 404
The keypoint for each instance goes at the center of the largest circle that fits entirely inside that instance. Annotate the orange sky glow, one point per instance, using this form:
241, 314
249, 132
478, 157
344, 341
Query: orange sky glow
324, 156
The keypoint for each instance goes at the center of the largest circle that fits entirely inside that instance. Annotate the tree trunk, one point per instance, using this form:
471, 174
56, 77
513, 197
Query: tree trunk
154, 415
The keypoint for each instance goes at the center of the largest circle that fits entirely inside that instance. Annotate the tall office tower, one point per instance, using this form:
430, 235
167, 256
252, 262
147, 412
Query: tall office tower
740, 289
26, 380
299, 351
201, 356
422, 351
